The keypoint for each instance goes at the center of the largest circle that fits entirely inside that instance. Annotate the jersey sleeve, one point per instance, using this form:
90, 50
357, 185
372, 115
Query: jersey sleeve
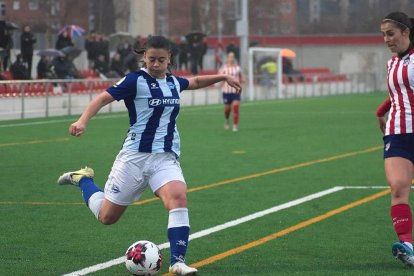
124, 88
183, 83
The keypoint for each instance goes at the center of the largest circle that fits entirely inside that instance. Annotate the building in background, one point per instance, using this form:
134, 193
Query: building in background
174, 18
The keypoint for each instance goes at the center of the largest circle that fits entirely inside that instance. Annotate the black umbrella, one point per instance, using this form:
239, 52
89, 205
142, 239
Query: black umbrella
50, 53
12, 26
120, 37
71, 52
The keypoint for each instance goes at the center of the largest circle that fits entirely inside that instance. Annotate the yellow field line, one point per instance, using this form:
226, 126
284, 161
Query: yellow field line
288, 168
289, 230
256, 175
34, 142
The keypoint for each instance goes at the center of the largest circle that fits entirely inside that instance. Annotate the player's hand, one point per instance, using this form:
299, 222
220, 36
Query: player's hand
382, 123
77, 129
233, 82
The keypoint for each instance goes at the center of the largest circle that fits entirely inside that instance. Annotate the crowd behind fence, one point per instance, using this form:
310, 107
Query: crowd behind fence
47, 98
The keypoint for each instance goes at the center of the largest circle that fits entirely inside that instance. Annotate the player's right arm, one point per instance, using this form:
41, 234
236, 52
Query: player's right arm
78, 127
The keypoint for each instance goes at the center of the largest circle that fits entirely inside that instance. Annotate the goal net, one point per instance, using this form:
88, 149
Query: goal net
265, 73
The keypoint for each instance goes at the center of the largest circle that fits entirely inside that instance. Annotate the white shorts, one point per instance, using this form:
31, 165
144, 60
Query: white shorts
132, 172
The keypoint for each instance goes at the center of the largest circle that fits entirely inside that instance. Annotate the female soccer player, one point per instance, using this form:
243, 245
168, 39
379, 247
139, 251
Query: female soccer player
231, 95
151, 148
398, 31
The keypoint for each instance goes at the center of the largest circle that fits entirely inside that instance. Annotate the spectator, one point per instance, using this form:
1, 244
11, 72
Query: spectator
101, 65
19, 70
269, 70
124, 49
8, 45
116, 68
195, 50
183, 54
64, 40
137, 43
131, 62
103, 47
289, 71
65, 69
44, 68
27, 40
91, 47
203, 52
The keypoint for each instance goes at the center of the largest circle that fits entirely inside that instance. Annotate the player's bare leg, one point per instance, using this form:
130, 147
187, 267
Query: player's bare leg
227, 110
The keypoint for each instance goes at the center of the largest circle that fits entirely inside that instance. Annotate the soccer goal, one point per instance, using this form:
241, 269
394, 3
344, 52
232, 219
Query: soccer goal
265, 73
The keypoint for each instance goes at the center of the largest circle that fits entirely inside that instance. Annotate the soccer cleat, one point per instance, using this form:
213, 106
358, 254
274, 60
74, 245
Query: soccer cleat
73, 178
235, 128
180, 268
404, 253
226, 125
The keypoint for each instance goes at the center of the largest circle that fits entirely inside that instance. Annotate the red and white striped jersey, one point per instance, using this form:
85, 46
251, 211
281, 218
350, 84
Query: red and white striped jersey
234, 71
400, 80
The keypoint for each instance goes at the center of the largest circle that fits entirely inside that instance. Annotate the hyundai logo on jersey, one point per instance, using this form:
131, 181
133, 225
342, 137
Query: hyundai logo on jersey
163, 102
154, 102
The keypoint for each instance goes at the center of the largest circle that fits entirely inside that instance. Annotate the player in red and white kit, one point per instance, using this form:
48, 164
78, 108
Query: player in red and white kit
398, 31
231, 97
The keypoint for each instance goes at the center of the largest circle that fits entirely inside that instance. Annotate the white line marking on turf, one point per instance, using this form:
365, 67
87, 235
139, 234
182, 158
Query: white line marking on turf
217, 228
59, 121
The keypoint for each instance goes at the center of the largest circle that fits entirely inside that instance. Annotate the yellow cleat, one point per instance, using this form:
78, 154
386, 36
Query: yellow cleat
73, 178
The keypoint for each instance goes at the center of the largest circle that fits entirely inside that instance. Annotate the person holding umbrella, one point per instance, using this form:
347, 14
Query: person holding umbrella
27, 40
44, 66
64, 40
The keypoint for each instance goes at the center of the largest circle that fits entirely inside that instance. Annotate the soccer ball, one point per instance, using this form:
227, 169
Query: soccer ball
143, 258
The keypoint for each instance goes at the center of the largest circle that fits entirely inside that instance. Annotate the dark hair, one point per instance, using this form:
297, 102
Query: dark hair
402, 21
157, 42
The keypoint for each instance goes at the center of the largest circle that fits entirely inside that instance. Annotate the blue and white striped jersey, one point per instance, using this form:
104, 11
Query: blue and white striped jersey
153, 106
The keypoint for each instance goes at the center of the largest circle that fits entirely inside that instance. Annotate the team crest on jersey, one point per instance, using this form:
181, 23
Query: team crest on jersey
153, 85
406, 61
171, 85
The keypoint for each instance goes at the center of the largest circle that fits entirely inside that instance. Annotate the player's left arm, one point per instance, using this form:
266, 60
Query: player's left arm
204, 81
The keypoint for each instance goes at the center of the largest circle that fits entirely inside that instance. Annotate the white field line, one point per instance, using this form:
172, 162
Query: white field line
229, 224
58, 121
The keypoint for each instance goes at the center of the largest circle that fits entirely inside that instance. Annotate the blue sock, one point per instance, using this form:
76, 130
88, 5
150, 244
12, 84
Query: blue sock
178, 237
88, 188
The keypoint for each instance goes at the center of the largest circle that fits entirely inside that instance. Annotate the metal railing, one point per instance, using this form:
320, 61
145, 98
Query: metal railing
47, 98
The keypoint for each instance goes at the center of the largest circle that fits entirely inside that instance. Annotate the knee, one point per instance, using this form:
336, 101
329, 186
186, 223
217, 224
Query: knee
399, 188
176, 201
108, 219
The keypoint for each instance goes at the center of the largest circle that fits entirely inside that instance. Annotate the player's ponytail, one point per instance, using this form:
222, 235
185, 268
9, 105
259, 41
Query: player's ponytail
412, 30
158, 42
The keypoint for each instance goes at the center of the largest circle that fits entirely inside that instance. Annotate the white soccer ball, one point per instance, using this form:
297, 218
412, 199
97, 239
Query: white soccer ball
143, 258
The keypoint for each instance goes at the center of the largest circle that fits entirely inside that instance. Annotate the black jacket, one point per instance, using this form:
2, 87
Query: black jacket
27, 40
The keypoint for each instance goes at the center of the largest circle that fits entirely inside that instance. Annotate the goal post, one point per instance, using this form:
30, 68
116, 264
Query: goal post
265, 73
